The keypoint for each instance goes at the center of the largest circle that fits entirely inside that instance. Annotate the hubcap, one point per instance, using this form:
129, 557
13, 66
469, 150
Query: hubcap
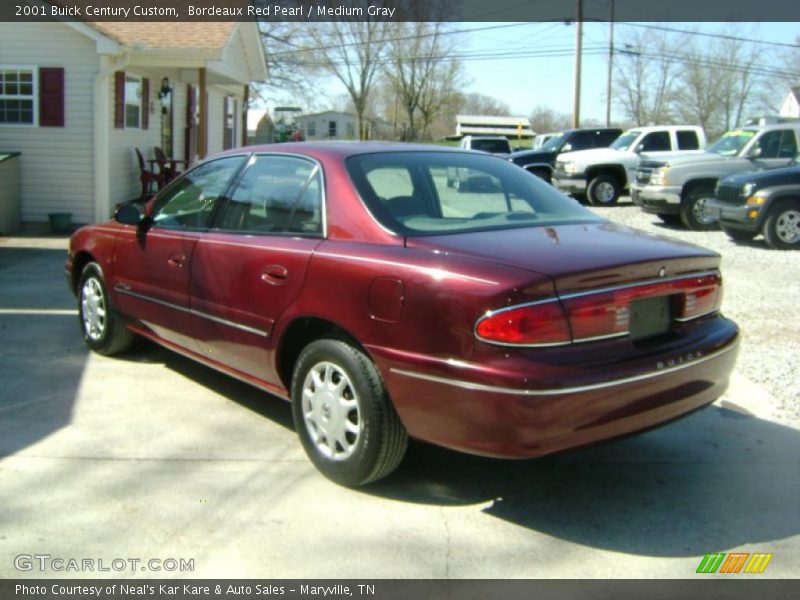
93, 309
604, 192
699, 212
331, 411
788, 227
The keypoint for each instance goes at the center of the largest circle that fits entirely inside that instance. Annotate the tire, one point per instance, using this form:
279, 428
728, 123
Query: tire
739, 235
692, 209
103, 330
670, 219
782, 228
343, 414
603, 190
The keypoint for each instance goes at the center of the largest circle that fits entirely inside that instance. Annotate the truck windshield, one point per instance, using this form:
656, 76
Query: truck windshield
554, 143
731, 143
625, 141
434, 193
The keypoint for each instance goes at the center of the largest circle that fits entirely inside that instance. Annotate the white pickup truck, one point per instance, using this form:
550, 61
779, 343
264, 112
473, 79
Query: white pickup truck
603, 174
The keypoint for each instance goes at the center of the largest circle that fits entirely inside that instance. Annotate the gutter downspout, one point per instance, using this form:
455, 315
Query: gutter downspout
102, 122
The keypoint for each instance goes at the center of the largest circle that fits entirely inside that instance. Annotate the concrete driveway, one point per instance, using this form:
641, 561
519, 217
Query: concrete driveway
151, 456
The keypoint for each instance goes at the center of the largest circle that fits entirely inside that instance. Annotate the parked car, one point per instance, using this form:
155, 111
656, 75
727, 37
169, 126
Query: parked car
765, 202
350, 280
604, 174
540, 139
541, 162
677, 188
463, 179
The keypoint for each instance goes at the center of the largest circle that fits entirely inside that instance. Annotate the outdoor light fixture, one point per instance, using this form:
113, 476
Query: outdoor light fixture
166, 89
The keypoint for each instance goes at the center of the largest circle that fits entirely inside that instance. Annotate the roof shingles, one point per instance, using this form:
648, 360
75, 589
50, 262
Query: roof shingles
159, 35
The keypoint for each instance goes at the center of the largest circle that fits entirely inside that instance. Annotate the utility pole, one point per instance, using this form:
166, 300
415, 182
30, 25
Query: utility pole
610, 60
576, 104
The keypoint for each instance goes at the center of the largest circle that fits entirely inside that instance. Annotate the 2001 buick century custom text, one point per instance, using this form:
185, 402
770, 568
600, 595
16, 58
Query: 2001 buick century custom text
500, 318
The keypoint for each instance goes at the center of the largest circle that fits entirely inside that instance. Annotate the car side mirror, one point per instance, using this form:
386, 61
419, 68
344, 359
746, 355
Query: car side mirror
566, 147
639, 148
129, 214
754, 152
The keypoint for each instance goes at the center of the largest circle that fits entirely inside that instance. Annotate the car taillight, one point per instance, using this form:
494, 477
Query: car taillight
539, 324
601, 314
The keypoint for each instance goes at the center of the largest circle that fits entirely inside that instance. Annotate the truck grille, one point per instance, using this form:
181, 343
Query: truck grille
732, 194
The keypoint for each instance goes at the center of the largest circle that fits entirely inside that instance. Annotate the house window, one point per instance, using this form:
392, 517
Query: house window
229, 133
312, 129
133, 101
17, 96
331, 129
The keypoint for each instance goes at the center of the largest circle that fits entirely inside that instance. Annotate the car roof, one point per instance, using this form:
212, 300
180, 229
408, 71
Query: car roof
338, 148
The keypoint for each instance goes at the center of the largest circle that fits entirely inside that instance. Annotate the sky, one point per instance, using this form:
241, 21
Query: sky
524, 82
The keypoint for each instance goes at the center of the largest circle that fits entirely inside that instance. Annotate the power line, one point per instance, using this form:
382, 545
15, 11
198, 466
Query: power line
721, 36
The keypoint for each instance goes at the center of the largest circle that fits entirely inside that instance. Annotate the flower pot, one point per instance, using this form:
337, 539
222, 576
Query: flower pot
60, 222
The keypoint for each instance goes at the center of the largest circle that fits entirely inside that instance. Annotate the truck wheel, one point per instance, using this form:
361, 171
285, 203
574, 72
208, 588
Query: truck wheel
739, 235
782, 229
343, 415
670, 219
693, 209
603, 190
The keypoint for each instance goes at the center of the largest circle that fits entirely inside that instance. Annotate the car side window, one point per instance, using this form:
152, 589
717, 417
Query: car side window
189, 203
656, 141
583, 141
687, 140
606, 137
788, 148
276, 194
770, 144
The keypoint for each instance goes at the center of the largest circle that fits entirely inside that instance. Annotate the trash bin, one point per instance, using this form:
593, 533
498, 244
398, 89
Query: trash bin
10, 193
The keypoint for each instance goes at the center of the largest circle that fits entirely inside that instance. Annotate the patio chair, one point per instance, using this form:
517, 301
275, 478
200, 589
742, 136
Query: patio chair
148, 178
166, 166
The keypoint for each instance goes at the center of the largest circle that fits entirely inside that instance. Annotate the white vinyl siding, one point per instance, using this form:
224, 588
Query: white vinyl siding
57, 163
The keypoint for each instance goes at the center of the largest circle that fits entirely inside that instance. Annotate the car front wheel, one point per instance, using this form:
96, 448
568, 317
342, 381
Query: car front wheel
693, 210
343, 414
603, 190
103, 330
782, 229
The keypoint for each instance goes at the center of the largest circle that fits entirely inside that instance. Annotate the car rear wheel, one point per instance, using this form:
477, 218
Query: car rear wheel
782, 229
693, 207
739, 235
603, 190
103, 330
343, 414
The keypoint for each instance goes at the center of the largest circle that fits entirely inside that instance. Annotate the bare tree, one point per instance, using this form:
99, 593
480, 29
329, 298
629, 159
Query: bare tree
352, 51
440, 100
480, 104
291, 75
545, 119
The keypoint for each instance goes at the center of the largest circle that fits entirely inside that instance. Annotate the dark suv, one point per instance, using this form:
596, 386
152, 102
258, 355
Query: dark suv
542, 160
766, 202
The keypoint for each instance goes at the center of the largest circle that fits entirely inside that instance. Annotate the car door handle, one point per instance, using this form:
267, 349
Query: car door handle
275, 275
176, 260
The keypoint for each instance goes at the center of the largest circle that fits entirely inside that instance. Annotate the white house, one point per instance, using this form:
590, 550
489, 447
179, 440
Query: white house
77, 98
790, 107
327, 125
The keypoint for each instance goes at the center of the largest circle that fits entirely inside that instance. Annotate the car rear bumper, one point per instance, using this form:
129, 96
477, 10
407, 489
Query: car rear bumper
735, 216
469, 410
570, 184
659, 199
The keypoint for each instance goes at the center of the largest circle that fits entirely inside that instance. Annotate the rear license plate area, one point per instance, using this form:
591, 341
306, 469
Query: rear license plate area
650, 317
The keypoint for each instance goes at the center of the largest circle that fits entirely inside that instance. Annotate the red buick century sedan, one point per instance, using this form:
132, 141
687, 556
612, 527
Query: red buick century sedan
498, 317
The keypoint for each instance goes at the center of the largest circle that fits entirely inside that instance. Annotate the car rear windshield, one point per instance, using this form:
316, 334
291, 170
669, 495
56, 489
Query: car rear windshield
491, 146
433, 193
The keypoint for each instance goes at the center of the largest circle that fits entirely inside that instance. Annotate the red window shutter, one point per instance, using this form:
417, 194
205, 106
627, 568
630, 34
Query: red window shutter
145, 103
119, 100
51, 97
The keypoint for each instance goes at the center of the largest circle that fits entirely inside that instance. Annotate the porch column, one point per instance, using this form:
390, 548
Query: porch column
245, 101
202, 126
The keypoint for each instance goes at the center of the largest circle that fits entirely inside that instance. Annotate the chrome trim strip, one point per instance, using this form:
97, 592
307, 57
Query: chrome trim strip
480, 387
118, 287
491, 313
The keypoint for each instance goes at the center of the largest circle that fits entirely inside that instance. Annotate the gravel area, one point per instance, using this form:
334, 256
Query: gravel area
761, 293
